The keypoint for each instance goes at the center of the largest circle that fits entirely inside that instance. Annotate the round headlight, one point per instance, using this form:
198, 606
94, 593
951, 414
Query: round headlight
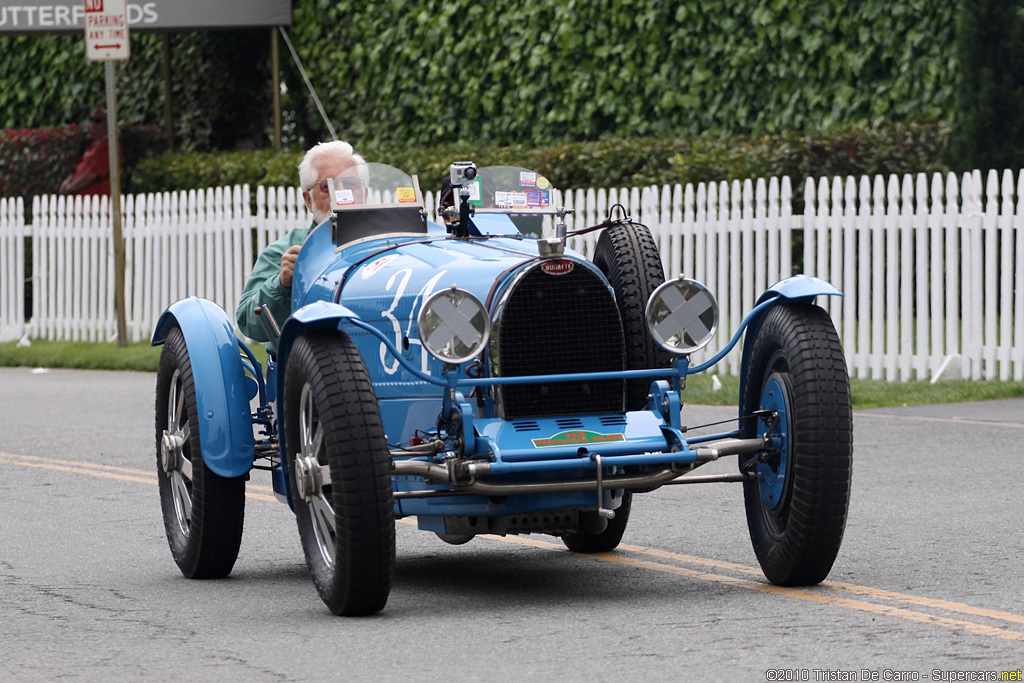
454, 325
682, 316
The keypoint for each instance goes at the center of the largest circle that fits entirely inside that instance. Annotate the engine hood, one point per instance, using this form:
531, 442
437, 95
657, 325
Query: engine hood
383, 274
385, 282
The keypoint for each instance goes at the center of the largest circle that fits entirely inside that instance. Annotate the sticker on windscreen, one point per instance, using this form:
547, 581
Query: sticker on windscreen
510, 200
475, 196
538, 198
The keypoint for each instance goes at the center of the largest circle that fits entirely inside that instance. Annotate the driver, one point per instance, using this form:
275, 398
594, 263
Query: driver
446, 200
270, 283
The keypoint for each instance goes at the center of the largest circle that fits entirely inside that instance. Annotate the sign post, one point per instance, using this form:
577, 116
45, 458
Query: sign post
106, 40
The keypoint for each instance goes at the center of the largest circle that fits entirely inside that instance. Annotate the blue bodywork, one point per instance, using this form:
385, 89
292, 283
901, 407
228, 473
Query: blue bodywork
372, 291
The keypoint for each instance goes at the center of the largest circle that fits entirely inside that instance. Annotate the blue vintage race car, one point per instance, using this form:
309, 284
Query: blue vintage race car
486, 380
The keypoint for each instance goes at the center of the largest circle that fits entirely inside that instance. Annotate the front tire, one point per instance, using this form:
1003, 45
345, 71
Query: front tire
346, 524
796, 507
203, 512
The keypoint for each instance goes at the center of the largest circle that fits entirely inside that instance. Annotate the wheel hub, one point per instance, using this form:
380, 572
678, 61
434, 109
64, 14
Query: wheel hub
773, 468
308, 479
171, 451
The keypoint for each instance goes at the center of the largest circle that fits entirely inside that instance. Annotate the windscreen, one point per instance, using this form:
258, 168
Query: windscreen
512, 189
373, 185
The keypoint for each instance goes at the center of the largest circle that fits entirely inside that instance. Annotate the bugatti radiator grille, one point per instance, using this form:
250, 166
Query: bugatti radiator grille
552, 324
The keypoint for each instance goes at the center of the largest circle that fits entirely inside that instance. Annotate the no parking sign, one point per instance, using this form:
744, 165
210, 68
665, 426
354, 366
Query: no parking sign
106, 30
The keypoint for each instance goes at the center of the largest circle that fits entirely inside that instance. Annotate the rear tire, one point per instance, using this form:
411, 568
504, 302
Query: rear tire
347, 525
796, 508
203, 512
628, 256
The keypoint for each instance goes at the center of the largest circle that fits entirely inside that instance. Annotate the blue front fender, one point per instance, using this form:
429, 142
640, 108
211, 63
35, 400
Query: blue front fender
796, 288
319, 315
315, 316
222, 392
800, 287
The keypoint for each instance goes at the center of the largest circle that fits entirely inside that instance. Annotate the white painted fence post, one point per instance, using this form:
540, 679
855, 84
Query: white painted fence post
848, 306
810, 219
919, 314
989, 266
1005, 227
834, 305
759, 228
971, 238
860, 340
891, 265
1018, 307
773, 233
678, 232
786, 225
12, 268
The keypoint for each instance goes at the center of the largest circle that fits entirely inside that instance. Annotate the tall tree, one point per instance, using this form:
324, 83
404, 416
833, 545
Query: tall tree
990, 93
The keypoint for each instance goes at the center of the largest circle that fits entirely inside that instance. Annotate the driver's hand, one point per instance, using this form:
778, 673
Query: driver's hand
288, 265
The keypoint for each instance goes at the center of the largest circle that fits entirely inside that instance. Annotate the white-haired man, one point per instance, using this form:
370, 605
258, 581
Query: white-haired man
270, 283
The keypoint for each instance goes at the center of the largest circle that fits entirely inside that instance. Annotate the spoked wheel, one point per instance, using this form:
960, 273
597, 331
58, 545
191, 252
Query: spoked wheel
798, 393
339, 472
202, 511
608, 538
628, 255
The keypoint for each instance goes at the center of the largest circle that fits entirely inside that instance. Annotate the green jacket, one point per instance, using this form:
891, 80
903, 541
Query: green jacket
264, 287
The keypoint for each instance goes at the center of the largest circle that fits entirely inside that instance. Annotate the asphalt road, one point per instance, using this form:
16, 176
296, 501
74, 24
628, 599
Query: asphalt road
929, 582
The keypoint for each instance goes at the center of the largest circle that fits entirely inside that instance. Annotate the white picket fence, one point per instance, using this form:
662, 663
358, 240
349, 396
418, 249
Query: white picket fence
932, 267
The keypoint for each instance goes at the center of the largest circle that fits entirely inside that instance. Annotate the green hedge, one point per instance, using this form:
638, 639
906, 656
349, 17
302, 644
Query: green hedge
220, 83
507, 72
895, 148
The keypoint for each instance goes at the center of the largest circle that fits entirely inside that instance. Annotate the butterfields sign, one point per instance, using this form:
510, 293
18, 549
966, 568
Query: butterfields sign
54, 16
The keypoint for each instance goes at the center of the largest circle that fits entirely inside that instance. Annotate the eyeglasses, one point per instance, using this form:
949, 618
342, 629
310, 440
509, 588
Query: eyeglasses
96, 119
347, 182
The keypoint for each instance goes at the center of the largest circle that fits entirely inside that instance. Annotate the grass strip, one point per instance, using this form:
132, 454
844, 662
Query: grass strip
700, 389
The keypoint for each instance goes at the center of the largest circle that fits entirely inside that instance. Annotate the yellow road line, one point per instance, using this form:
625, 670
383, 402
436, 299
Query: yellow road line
925, 602
958, 420
108, 471
807, 594
80, 470
811, 595
75, 464
836, 585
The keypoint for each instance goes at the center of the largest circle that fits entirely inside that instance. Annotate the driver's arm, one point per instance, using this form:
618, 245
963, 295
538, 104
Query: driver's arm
265, 288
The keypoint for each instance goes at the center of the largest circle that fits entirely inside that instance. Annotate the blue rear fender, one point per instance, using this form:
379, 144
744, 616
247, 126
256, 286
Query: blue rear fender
222, 389
797, 288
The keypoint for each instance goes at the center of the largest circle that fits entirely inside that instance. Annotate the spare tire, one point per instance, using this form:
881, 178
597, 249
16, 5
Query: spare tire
628, 256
